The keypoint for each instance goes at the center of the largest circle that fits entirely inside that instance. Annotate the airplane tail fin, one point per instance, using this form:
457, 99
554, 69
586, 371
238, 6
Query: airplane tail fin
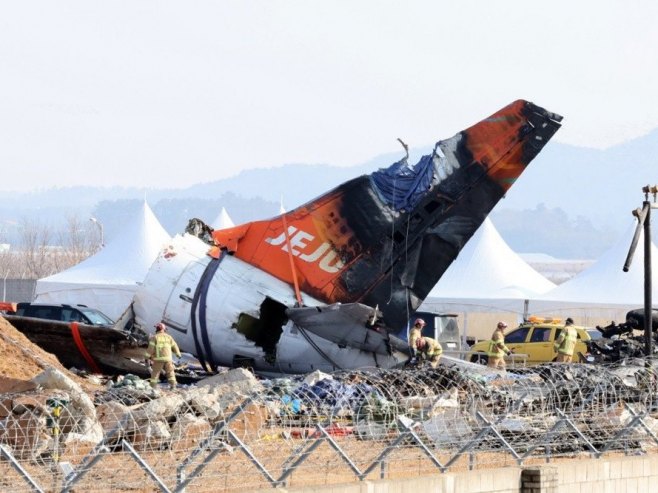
386, 238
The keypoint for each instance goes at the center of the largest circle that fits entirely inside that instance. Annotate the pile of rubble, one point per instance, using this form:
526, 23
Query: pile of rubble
57, 416
47, 410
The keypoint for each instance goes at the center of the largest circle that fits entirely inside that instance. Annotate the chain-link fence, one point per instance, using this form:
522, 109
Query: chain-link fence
241, 434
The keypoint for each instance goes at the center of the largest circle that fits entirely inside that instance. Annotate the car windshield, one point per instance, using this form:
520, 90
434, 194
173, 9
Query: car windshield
96, 317
594, 334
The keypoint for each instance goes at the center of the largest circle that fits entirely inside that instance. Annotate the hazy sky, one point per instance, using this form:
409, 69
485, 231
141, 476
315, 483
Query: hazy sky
168, 94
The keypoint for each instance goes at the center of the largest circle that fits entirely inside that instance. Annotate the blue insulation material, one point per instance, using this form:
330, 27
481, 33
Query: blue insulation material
334, 394
402, 186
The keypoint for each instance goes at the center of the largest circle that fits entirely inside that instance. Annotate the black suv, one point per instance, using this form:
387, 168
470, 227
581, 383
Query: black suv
64, 313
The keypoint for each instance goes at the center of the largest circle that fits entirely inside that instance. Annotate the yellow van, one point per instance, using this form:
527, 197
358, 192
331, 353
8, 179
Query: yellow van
535, 338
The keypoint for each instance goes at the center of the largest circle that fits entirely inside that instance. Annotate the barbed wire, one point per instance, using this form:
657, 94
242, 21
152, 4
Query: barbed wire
245, 434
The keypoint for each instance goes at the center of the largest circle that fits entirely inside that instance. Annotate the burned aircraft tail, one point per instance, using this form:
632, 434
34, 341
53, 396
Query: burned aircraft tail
386, 238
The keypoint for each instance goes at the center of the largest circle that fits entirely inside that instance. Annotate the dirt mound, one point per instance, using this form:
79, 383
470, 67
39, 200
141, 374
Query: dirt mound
23, 360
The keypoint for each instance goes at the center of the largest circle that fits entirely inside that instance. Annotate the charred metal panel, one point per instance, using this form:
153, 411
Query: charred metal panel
387, 238
346, 325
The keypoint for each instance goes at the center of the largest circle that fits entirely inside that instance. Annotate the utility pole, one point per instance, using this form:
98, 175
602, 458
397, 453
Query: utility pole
643, 216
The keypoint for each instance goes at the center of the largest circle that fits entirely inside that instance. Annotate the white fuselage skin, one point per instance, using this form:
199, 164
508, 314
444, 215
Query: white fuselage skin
236, 288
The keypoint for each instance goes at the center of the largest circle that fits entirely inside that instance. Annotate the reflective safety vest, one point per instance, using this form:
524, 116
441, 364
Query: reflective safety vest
432, 348
497, 348
566, 342
161, 346
414, 335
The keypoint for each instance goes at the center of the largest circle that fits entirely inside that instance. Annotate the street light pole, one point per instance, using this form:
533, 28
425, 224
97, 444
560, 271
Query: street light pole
644, 222
100, 227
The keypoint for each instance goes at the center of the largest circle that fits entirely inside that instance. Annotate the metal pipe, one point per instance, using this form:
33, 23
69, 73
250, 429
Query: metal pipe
641, 216
648, 350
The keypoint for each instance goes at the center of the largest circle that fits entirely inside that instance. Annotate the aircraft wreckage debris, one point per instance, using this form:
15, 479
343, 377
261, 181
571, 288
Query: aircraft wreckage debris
98, 349
330, 283
327, 285
623, 341
57, 418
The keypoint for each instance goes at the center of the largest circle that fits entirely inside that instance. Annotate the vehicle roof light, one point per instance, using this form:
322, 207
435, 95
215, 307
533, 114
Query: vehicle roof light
533, 319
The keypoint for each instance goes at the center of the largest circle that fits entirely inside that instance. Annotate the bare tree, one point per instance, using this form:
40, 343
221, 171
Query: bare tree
35, 254
77, 241
7, 265
5, 257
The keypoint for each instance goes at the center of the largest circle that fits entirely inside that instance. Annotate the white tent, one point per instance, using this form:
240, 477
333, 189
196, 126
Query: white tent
108, 279
222, 221
486, 277
487, 268
604, 286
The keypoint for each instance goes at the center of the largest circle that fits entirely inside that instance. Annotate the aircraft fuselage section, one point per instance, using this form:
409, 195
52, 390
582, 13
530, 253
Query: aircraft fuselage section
230, 313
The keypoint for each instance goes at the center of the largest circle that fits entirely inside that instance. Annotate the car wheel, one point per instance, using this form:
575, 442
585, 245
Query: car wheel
480, 359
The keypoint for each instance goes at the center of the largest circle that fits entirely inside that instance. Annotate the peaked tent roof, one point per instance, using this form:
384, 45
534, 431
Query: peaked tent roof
108, 279
222, 221
487, 268
605, 282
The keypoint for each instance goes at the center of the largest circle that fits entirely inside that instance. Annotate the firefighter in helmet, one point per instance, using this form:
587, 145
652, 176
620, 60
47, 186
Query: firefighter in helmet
415, 333
159, 354
497, 347
565, 344
429, 349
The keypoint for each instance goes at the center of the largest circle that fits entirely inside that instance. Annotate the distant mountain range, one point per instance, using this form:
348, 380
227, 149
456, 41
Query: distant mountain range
571, 202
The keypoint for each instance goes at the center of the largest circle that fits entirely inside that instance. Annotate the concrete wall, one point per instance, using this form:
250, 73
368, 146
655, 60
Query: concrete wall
615, 475
612, 475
